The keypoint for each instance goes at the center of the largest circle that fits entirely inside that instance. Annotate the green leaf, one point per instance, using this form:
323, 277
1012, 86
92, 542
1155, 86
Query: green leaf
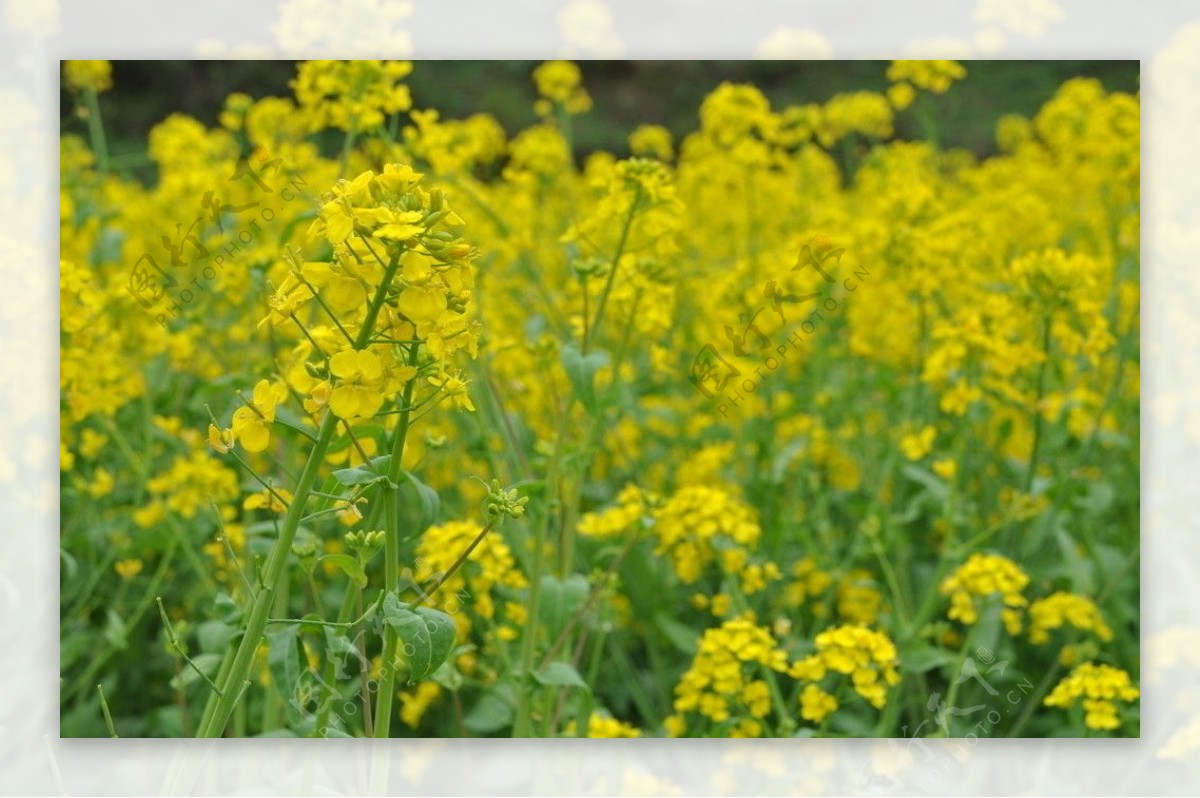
680, 635
426, 636
205, 662
559, 599
227, 609
936, 487
920, 658
115, 630
214, 636
350, 565
448, 676
357, 476
561, 674
581, 371
493, 711
283, 658
287, 418
427, 499
343, 652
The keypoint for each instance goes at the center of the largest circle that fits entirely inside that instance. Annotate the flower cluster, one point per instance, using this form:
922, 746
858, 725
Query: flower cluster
698, 524
1063, 609
354, 96
981, 576
868, 657
1100, 687
725, 683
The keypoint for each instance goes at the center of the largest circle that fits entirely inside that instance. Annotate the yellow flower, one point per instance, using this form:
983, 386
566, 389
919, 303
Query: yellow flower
128, 569
422, 304
946, 468
1062, 608
816, 704
901, 95
605, 726
94, 75
868, 657
916, 445
985, 575
276, 501
651, 141
721, 683
698, 519
559, 82
220, 439
415, 703
455, 390
252, 423
937, 76
359, 391
1100, 687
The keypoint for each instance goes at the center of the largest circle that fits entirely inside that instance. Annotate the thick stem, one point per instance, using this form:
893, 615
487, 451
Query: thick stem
1037, 407
280, 552
616, 259
96, 129
391, 556
272, 577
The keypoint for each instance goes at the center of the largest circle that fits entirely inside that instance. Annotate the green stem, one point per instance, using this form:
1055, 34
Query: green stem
1038, 694
952, 693
391, 556
277, 560
347, 146
108, 721
96, 129
612, 269
321, 726
529, 644
1037, 406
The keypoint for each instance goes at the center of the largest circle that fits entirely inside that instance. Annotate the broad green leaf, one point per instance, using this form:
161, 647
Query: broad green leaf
205, 662
427, 500
493, 711
447, 676
581, 371
920, 658
426, 636
343, 652
350, 565
357, 476
936, 487
114, 629
214, 636
283, 658
561, 674
559, 599
680, 635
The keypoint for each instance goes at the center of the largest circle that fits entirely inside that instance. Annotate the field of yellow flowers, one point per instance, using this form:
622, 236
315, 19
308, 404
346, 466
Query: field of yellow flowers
376, 423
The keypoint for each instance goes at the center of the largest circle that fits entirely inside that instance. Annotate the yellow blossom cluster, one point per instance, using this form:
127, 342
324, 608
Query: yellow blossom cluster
868, 657
1100, 687
698, 524
1062, 609
981, 576
725, 683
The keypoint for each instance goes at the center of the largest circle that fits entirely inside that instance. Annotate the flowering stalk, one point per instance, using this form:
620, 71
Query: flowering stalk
273, 574
391, 556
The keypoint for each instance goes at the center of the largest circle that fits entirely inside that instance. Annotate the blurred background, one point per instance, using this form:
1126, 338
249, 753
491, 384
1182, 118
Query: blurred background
625, 93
